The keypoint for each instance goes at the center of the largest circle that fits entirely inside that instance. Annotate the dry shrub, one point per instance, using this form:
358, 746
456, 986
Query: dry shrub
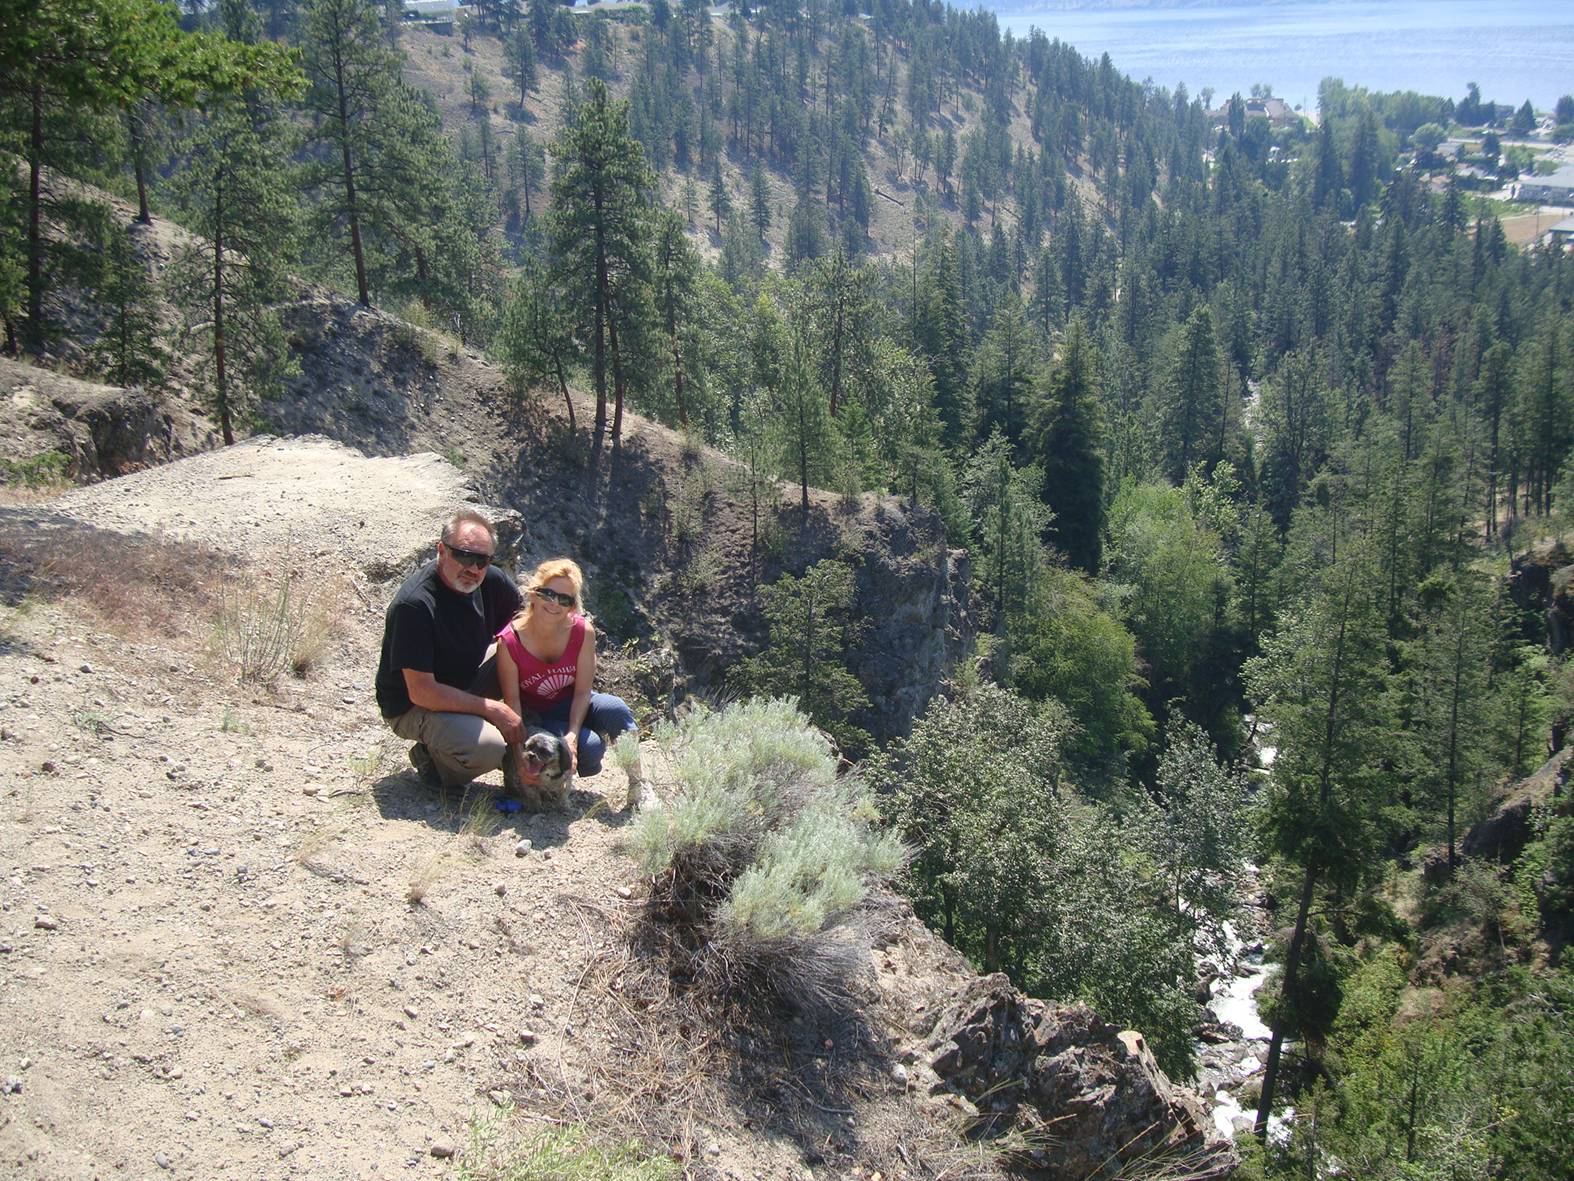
668, 1056
275, 624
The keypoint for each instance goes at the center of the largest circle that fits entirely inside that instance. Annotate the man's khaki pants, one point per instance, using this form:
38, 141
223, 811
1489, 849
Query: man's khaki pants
462, 746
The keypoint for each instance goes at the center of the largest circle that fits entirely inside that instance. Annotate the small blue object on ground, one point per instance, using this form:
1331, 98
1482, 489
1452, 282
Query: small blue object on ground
507, 805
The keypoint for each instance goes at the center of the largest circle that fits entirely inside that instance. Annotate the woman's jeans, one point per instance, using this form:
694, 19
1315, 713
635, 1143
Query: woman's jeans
607, 715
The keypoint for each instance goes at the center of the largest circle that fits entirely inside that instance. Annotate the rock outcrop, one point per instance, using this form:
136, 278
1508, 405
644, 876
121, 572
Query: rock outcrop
914, 591
1087, 1091
102, 430
1538, 582
1502, 836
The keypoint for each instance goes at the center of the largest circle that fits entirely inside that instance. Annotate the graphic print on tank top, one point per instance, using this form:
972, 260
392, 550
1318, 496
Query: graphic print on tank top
542, 683
548, 685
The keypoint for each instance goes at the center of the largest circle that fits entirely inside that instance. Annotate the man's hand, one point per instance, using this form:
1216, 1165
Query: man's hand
505, 719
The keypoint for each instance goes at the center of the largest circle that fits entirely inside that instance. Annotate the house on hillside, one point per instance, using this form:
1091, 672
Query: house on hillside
1561, 234
432, 14
1275, 110
1557, 189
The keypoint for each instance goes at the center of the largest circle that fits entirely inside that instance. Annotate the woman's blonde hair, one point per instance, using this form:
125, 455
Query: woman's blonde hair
545, 573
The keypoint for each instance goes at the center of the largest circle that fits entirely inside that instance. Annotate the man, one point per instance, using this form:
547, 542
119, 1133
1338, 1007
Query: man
437, 678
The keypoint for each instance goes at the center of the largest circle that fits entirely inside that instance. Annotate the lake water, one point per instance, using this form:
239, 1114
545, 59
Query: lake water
1513, 50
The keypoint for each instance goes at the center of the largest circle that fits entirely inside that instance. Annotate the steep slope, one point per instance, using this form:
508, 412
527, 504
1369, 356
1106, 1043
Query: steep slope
443, 64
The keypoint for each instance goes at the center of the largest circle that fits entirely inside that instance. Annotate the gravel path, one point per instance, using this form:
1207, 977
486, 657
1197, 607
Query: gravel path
306, 495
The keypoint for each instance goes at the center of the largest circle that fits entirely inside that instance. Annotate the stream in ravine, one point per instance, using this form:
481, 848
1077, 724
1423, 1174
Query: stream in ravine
1235, 1047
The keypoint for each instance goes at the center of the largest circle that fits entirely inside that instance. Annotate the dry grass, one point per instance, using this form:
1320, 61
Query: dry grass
503, 1147
473, 838
315, 844
133, 585
265, 628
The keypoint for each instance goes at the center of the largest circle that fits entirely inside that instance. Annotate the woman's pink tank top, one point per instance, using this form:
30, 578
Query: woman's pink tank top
542, 684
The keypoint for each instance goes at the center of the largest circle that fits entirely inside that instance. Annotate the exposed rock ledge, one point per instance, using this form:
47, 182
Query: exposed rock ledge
1086, 1096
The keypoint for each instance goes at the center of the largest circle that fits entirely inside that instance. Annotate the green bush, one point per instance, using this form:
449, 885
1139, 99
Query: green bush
765, 848
46, 470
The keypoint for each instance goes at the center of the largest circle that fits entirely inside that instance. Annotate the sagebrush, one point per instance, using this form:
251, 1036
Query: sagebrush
766, 849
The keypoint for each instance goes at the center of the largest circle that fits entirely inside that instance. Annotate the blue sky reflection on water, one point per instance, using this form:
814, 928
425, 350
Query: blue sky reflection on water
1515, 50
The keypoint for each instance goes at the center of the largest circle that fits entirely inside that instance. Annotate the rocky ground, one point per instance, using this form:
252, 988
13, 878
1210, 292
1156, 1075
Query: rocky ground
240, 940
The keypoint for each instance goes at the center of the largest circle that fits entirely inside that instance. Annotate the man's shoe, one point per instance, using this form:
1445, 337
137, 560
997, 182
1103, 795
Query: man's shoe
421, 760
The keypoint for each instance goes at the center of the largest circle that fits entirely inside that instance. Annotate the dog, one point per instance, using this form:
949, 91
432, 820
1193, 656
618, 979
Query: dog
542, 773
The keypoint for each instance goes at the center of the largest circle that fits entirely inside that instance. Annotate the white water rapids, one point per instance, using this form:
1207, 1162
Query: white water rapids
1225, 1068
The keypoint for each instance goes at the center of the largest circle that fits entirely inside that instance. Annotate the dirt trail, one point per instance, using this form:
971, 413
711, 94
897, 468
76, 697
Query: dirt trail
211, 967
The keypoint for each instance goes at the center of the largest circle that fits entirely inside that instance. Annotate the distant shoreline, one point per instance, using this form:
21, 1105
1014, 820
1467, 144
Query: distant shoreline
1516, 50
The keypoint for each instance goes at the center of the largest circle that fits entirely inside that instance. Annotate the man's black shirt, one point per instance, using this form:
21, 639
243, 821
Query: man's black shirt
432, 628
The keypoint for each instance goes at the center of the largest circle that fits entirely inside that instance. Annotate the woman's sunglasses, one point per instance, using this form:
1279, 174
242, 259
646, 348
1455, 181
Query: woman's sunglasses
552, 596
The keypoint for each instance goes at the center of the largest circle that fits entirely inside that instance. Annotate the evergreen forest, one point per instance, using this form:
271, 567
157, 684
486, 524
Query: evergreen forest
1256, 435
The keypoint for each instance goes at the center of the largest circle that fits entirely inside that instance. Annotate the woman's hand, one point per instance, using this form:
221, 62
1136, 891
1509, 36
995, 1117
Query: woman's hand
571, 740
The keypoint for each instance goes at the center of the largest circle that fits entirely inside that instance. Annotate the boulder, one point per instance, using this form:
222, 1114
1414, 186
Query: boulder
1090, 1094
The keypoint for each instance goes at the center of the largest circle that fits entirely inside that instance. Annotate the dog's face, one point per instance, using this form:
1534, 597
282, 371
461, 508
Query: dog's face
544, 766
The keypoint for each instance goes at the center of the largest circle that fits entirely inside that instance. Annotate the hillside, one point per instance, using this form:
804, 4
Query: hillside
238, 923
904, 205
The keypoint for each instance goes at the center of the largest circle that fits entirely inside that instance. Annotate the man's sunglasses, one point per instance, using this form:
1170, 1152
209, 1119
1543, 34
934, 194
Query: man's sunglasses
468, 557
558, 597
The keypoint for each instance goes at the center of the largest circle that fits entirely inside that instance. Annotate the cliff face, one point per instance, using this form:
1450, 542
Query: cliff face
100, 430
915, 592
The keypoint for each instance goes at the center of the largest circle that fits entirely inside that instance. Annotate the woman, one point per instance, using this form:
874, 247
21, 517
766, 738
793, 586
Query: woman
546, 661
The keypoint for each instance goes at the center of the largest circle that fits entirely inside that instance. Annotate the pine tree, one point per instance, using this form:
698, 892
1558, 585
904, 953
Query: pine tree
802, 424
1449, 686
536, 340
1010, 519
1323, 682
599, 232
519, 62
1068, 445
84, 58
1003, 368
674, 274
837, 294
524, 163
760, 200
235, 195
942, 338
351, 71
128, 351
1192, 405
812, 624
719, 200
